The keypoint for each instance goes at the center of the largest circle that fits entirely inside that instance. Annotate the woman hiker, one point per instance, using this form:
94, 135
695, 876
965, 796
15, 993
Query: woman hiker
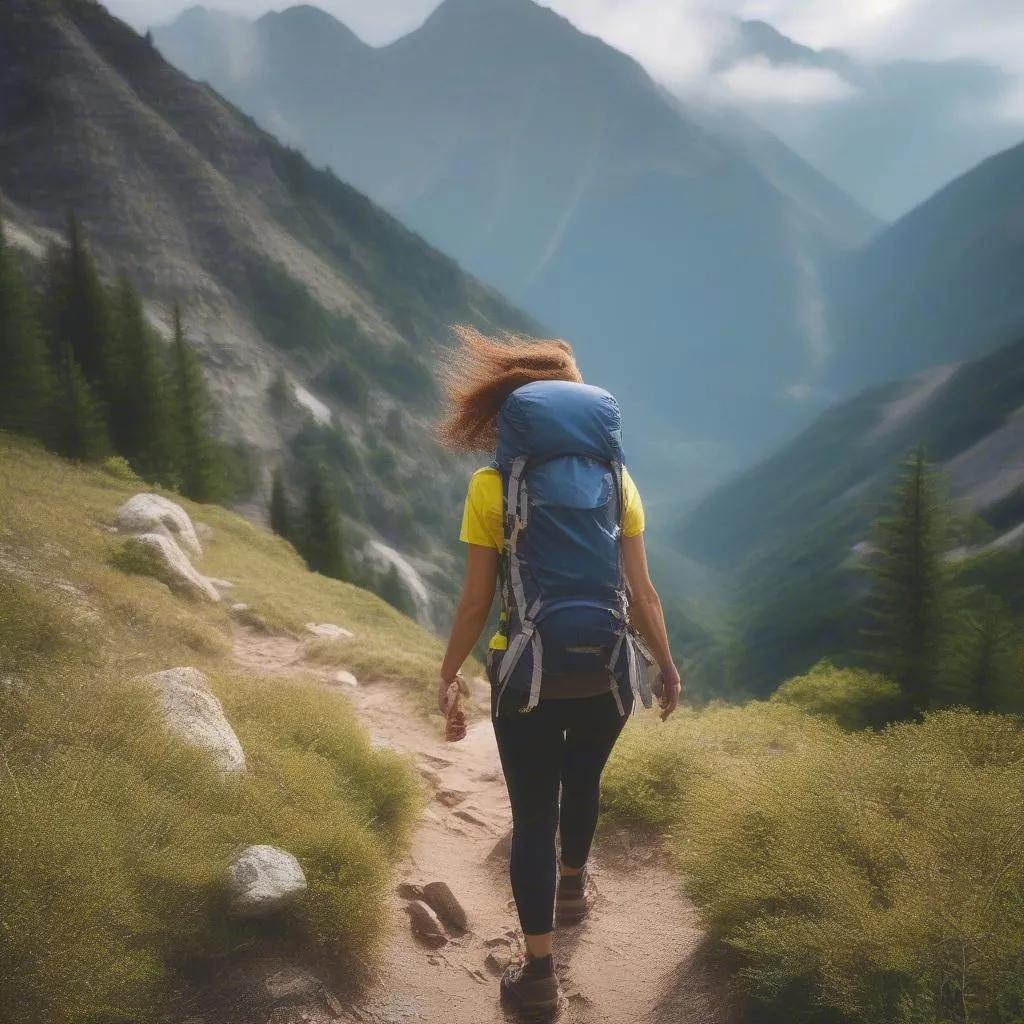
557, 522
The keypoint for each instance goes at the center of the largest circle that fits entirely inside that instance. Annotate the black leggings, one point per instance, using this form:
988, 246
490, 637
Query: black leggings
561, 743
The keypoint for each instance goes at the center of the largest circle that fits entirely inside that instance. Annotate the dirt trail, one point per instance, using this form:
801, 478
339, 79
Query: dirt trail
638, 958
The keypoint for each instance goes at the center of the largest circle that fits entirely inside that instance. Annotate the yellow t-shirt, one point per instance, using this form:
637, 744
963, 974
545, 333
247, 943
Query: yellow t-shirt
481, 519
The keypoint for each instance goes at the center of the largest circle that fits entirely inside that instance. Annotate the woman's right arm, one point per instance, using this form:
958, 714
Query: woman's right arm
649, 618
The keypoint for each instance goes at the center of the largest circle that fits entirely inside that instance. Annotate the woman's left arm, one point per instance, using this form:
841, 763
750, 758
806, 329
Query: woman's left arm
470, 615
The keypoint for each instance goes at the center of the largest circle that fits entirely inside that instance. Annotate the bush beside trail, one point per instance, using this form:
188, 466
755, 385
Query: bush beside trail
852, 878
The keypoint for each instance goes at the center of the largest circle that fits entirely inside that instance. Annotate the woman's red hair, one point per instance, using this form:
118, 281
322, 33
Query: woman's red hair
480, 373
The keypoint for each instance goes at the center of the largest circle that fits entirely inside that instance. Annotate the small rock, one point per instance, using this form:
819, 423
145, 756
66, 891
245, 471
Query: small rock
477, 976
292, 984
264, 880
498, 942
195, 714
221, 584
472, 817
502, 849
440, 897
410, 891
498, 963
450, 797
326, 631
425, 922
238, 608
151, 513
345, 679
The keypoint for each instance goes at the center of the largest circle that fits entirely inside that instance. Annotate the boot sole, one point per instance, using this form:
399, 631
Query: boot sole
545, 1014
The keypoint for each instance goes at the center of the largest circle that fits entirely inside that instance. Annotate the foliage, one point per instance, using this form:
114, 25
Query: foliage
280, 510
120, 468
392, 589
852, 698
198, 478
113, 836
322, 543
855, 877
910, 585
27, 384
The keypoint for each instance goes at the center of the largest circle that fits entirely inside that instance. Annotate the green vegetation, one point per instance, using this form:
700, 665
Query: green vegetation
852, 877
910, 585
82, 370
852, 698
113, 836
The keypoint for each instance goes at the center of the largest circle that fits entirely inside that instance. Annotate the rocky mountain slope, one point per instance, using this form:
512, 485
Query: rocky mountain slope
685, 271
318, 315
785, 535
942, 284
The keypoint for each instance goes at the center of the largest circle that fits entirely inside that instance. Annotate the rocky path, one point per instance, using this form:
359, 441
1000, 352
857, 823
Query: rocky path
638, 958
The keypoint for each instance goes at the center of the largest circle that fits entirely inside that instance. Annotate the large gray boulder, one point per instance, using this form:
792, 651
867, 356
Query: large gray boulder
263, 880
171, 565
151, 513
195, 714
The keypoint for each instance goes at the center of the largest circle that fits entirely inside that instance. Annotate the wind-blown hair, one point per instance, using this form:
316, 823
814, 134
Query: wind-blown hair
479, 373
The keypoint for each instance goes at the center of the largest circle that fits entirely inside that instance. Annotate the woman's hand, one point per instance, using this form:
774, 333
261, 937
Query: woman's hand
450, 703
671, 685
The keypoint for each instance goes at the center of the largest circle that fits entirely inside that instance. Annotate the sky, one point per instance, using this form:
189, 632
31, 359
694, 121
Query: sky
676, 41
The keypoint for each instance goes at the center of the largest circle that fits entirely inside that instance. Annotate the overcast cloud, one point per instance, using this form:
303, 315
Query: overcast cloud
676, 41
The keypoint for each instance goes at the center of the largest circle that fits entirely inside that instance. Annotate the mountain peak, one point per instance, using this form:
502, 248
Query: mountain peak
305, 23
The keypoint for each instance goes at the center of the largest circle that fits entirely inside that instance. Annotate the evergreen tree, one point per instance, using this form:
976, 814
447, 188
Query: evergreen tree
323, 545
396, 593
911, 585
80, 430
280, 511
81, 316
140, 417
980, 661
27, 384
197, 472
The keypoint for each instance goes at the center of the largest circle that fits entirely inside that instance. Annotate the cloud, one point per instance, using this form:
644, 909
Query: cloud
759, 81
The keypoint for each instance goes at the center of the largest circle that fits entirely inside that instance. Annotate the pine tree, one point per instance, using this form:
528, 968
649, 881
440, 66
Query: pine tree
197, 472
140, 415
82, 317
396, 593
80, 430
323, 545
280, 511
980, 669
911, 585
27, 383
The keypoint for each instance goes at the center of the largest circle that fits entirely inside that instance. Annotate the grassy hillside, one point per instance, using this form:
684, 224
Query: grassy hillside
844, 877
113, 835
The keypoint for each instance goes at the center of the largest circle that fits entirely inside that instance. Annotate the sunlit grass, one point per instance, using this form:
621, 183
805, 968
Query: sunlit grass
113, 835
855, 877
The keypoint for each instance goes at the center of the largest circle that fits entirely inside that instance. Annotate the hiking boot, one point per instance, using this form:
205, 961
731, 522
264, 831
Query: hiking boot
531, 989
574, 898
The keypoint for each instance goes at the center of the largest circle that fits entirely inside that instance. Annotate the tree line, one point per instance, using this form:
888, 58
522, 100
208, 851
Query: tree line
941, 636
314, 529
84, 372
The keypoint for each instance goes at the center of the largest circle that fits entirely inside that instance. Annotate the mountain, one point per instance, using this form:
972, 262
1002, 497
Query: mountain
859, 138
942, 284
319, 317
683, 268
784, 537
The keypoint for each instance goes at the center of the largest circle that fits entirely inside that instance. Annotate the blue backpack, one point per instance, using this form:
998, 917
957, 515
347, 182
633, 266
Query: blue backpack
564, 598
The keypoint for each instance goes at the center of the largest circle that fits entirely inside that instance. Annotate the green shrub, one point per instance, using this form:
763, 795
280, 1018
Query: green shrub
119, 468
136, 559
852, 698
855, 877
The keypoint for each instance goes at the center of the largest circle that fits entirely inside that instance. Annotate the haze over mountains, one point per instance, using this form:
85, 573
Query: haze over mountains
553, 167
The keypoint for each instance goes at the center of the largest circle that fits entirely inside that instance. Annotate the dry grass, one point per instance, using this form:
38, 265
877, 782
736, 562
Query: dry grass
113, 836
855, 877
